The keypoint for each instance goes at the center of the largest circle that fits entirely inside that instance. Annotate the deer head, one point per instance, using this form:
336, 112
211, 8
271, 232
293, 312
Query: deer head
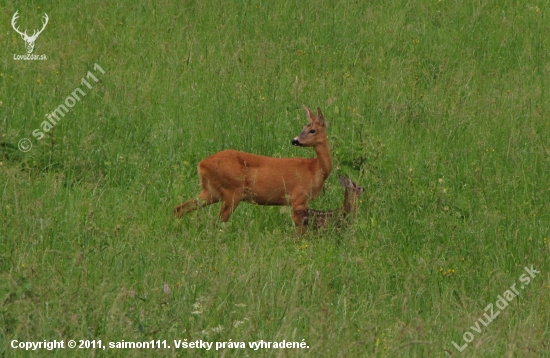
352, 191
29, 40
314, 133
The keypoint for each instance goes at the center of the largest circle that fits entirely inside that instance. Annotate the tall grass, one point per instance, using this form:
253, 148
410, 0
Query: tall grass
438, 108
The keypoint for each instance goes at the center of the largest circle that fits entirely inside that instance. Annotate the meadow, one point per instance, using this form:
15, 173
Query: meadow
437, 108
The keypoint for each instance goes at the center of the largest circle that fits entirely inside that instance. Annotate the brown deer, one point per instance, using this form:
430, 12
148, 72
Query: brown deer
231, 176
318, 219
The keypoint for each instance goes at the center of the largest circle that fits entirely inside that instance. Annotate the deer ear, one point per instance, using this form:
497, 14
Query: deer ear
343, 181
320, 118
309, 114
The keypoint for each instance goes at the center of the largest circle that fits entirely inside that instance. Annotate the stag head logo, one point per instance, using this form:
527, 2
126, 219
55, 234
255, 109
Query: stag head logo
29, 40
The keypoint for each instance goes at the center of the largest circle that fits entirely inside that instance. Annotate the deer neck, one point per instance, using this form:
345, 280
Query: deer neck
323, 158
350, 203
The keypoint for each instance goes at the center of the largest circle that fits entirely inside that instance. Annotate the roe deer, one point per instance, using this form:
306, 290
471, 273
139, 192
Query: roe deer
318, 219
231, 176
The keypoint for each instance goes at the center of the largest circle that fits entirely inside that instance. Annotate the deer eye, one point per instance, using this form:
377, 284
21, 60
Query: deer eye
312, 131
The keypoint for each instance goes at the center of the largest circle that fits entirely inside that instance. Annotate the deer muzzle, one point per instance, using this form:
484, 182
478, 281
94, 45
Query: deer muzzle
296, 142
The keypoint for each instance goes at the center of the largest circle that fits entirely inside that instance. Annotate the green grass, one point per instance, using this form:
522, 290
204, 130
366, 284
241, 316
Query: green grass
438, 108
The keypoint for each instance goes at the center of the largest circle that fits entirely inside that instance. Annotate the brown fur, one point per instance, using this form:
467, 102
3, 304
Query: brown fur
232, 176
318, 219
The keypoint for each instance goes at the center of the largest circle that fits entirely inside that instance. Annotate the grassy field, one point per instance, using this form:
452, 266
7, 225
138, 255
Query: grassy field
437, 108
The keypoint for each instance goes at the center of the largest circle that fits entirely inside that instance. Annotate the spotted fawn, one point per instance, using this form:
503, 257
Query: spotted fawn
318, 218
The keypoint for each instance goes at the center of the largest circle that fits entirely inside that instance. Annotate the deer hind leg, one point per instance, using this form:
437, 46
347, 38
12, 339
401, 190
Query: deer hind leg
203, 199
230, 200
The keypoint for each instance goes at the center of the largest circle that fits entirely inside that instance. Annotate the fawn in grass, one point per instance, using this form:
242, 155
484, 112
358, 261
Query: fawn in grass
318, 219
231, 176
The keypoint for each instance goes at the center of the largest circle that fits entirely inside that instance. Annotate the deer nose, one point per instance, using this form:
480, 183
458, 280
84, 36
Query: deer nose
296, 142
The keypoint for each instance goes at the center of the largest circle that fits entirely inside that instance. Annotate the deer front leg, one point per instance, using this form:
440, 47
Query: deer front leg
299, 203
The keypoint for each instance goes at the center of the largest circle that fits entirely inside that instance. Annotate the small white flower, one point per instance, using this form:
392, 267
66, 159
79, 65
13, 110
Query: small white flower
218, 329
197, 306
